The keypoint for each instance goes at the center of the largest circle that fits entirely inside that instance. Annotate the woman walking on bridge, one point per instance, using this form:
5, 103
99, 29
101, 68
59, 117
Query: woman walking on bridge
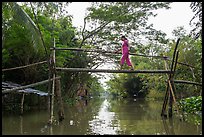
125, 53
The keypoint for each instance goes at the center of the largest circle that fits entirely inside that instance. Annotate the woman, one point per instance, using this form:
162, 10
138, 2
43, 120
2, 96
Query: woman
125, 53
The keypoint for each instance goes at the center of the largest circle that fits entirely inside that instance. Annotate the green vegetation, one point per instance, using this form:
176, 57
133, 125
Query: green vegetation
22, 47
192, 108
22, 44
191, 105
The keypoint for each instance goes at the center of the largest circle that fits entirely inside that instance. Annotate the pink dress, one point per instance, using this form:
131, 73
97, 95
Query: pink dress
125, 54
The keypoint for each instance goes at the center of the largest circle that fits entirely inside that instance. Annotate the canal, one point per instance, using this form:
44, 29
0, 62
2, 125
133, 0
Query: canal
101, 116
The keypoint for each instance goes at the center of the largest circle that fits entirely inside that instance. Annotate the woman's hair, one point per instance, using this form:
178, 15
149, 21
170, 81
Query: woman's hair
124, 37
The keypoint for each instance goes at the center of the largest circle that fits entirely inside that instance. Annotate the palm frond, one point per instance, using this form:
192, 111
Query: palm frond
23, 18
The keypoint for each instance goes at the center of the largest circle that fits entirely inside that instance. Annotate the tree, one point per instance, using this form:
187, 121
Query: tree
197, 9
11, 10
19, 50
21, 43
109, 20
136, 87
190, 52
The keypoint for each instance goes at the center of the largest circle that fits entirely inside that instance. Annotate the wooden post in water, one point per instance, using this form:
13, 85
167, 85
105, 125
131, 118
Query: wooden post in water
172, 87
172, 82
22, 102
168, 89
166, 94
53, 88
59, 100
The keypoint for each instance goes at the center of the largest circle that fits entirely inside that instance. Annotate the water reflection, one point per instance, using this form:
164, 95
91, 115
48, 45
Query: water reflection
168, 127
100, 117
105, 122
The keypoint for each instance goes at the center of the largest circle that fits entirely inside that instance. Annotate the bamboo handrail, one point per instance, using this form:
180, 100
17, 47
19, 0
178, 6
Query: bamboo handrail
27, 86
24, 66
187, 82
181, 63
103, 51
111, 71
112, 52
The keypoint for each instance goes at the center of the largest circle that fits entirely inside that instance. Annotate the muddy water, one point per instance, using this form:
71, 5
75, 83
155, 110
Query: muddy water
101, 117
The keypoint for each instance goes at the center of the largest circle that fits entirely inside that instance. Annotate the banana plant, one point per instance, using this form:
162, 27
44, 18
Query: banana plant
20, 16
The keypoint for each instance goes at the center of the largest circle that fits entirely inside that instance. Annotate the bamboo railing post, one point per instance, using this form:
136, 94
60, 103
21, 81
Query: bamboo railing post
172, 96
172, 86
59, 100
166, 94
169, 93
49, 85
171, 77
172, 82
53, 88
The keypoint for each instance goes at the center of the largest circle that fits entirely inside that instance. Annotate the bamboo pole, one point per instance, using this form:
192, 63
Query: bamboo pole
172, 64
22, 101
172, 88
165, 101
176, 61
53, 89
171, 84
171, 77
166, 94
59, 100
27, 86
20, 67
48, 58
49, 84
187, 82
111, 71
103, 51
112, 52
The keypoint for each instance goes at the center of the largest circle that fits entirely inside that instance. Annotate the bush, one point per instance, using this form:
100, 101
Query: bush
191, 104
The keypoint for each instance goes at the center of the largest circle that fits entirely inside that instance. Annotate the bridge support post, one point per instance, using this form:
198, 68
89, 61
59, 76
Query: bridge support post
168, 94
59, 100
53, 87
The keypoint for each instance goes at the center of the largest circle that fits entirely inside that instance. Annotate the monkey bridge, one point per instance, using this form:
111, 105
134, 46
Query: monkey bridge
54, 88
170, 89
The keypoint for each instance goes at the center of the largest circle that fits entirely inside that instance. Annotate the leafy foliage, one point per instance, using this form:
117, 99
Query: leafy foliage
127, 86
135, 86
191, 105
196, 32
18, 49
107, 21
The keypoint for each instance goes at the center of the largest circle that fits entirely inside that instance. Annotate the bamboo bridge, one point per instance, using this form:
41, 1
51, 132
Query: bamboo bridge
55, 90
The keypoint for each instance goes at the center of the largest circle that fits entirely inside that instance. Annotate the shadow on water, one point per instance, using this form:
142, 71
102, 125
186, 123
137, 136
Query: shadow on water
101, 116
